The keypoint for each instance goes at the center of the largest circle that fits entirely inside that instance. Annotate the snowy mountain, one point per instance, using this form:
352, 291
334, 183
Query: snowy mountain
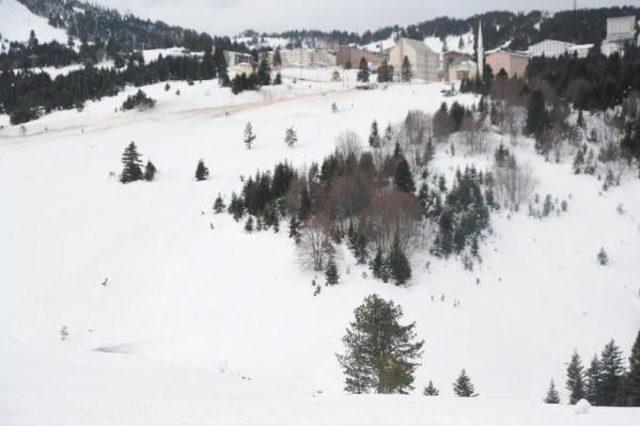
16, 23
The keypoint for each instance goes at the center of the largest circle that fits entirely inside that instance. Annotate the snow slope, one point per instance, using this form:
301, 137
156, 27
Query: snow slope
16, 23
199, 324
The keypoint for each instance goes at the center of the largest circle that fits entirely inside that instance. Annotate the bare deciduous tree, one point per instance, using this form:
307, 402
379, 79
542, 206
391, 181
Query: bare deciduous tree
514, 183
314, 243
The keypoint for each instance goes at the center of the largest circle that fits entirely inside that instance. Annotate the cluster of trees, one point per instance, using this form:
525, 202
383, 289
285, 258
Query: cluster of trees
596, 82
580, 26
258, 78
370, 199
132, 166
35, 54
381, 354
25, 95
133, 171
96, 25
139, 101
606, 381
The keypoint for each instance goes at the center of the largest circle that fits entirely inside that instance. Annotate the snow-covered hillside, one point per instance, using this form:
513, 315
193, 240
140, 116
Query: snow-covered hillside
16, 23
202, 323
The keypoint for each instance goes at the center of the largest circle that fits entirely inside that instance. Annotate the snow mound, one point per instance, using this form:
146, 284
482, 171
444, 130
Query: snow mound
582, 407
16, 23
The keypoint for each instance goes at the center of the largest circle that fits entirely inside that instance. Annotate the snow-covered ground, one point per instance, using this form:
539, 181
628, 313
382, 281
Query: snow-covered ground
16, 23
216, 326
462, 43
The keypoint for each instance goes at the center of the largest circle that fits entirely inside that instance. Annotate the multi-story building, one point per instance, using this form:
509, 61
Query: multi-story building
425, 63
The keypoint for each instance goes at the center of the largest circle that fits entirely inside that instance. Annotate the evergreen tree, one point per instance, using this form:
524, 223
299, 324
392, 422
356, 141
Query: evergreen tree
290, 137
463, 386
378, 264
304, 212
431, 390
131, 161
381, 355
633, 377
218, 204
405, 70
429, 152
202, 172
403, 178
264, 72
575, 379
538, 120
363, 74
612, 371
398, 264
277, 57
552, 395
360, 249
248, 226
277, 80
374, 136
249, 136
385, 72
580, 120
149, 171
592, 381
331, 273
603, 258
294, 228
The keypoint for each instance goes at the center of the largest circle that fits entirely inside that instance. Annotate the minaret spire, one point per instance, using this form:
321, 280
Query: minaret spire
480, 52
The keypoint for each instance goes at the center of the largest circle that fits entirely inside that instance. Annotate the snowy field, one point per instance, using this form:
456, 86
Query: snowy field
215, 326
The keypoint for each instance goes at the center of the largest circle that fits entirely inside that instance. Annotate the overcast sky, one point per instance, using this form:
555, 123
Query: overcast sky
229, 17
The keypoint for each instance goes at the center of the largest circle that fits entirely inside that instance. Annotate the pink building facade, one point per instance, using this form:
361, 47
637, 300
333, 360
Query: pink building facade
513, 63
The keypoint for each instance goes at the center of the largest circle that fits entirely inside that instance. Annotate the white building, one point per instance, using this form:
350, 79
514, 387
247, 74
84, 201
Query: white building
549, 48
302, 57
581, 50
425, 63
621, 29
463, 70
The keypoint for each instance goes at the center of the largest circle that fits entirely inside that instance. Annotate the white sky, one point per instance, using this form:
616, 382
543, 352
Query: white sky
229, 17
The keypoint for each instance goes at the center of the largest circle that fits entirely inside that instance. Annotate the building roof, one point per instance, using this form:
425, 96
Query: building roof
509, 52
417, 44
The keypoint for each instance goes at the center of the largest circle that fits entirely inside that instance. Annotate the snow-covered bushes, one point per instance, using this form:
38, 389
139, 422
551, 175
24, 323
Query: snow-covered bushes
514, 183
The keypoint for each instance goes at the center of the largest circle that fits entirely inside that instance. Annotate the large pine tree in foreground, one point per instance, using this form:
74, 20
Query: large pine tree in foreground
381, 355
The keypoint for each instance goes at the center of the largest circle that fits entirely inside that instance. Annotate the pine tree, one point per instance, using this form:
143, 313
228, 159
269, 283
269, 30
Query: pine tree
403, 178
277, 57
294, 228
378, 264
331, 273
612, 371
429, 152
399, 268
463, 386
592, 381
202, 172
131, 160
603, 258
374, 136
363, 74
633, 377
405, 70
249, 136
218, 204
149, 171
290, 137
360, 249
431, 390
552, 395
277, 80
575, 379
381, 355
264, 72
248, 226
580, 120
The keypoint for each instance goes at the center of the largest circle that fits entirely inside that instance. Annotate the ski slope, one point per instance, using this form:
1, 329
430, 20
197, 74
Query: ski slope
202, 323
16, 23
